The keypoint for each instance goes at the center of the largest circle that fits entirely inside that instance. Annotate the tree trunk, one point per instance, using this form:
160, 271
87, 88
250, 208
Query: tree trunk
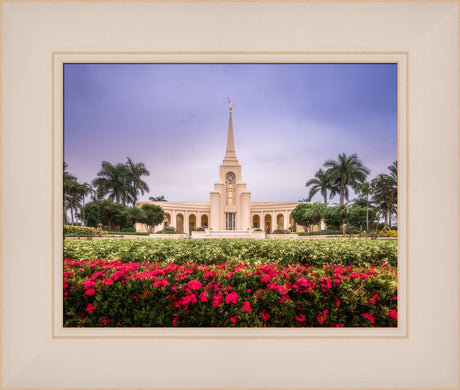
83, 210
367, 219
117, 198
71, 213
341, 195
325, 199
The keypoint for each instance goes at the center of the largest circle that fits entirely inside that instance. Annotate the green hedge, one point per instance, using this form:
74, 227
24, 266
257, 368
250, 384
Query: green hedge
69, 229
357, 252
118, 294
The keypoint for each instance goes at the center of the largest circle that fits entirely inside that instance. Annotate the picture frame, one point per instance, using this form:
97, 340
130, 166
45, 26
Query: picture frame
37, 32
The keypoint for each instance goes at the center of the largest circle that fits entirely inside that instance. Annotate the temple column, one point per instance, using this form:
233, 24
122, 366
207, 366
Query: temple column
186, 219
286, 220
173, 218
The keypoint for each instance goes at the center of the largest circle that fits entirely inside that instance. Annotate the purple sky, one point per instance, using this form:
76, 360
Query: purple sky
287, 119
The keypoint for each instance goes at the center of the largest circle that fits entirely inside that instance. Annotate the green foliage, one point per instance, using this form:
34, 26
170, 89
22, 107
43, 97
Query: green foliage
69, 229
136, 214
357, 252
335, 216
281, 231
302, 215
168, 230
108, 213
357, 216
345, 172
321, 183
154, 215
121, 182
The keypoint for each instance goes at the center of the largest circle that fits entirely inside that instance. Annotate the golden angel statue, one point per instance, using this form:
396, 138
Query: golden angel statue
230, 104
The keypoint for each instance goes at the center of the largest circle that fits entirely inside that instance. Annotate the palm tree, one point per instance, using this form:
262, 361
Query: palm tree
321, 183
114, 180
345, 172
72, 197
85, 189
67, 177
364, 191
135, 172
160, 198
393, 168
382, 188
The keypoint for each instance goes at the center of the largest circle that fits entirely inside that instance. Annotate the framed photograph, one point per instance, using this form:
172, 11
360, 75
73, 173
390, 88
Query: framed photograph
70, 91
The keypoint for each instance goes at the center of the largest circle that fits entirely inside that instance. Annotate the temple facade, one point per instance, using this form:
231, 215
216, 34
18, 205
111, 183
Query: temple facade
229, 207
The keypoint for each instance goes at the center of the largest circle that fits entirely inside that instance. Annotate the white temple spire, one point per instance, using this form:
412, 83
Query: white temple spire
230, 155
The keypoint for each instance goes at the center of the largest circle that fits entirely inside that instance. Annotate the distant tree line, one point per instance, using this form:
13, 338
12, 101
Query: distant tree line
377, 199
113, 196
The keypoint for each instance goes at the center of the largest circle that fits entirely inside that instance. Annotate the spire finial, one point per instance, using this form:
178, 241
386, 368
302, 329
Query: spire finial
230, 156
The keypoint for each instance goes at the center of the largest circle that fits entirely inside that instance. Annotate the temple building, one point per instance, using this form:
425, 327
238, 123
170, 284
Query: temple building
229, 209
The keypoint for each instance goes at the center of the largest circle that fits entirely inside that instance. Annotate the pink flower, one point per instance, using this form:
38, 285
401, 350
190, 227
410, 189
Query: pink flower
393, 315
204, 296
90, 291
265, 316
88, 283
161, 283
369, 317
209, 274
104, 321
195, 284
90, 308
300, 318
107, 281
217, 300
265, 278
233, 319
231, 298
322, 315
247, 307
175, 320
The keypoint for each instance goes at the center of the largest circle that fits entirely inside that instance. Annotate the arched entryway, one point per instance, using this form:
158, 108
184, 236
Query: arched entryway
180, 223
167, 220
204, 221
280, 221
268, 224
256, 222
191, 222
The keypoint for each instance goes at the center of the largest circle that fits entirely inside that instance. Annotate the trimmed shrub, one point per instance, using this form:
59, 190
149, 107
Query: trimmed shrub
69, 229
281, 231
356, 252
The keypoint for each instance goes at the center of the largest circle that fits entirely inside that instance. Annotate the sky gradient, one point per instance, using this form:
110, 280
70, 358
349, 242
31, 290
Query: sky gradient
288, 119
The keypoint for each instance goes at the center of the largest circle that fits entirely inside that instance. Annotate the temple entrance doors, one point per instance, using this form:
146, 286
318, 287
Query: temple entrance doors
268, 224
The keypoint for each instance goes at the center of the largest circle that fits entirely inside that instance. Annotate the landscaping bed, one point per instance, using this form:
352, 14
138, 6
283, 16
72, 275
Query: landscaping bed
356, 252
103, 293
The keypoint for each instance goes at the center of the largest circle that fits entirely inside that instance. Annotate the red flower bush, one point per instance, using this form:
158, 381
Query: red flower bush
115, 293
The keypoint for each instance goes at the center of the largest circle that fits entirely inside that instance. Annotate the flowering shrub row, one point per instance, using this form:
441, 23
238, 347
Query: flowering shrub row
356, 252
101, 293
